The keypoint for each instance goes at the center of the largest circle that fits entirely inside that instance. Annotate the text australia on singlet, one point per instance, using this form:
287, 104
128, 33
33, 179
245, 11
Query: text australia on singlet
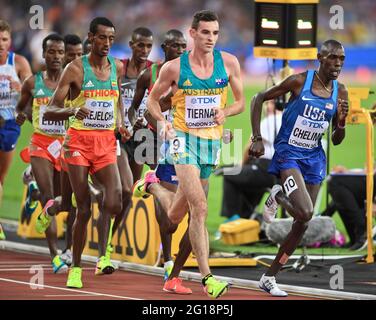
102, 111
309, 128
200, 107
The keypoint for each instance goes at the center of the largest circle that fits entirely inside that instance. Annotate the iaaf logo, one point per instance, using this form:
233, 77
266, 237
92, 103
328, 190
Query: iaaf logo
204, 100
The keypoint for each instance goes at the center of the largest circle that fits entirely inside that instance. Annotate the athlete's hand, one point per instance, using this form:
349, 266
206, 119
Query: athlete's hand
256, 149
81, 113
14, 85
139, 124
166, 130
219, 117
343, 110
124, 133
20, 118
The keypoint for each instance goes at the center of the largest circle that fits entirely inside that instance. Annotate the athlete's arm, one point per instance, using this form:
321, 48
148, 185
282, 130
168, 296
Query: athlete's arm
142, 85
236, 84
25, 100
22, 67
339, 120
291, 84
120, 110
56, 110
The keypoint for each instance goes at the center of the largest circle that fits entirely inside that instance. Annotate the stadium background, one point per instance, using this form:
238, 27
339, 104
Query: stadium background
236, 36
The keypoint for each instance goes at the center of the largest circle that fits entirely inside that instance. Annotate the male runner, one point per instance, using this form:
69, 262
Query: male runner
45, 145
93, 82
73, 50
14, 69
174, 45
299, 159
199, 81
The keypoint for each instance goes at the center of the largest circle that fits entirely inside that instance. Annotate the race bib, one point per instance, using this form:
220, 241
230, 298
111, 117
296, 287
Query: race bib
177, 145
5, 94
54, 149
102, 114
50, 126
307, 133
127, 102
199, 112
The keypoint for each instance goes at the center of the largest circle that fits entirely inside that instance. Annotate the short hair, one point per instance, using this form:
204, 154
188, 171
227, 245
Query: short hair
99, 21
141, 31
171, 34
5, 26
86, 45
203, 15
72, 39
53, 37
330, 43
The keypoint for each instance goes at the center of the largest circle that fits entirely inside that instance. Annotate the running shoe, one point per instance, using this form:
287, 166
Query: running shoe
109, 250
271, 205
58, 265
269, 285
140, 188
30, 204
167, 269
104, 266
74, 202
2, 233
44, 219
214, 288
67, 257
74, 278
175, 286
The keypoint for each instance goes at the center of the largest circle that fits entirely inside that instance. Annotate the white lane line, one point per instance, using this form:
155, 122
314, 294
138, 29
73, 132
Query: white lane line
28, 269
67, 295
69, 290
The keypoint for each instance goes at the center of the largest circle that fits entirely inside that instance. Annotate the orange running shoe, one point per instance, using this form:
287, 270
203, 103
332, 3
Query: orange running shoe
175, 286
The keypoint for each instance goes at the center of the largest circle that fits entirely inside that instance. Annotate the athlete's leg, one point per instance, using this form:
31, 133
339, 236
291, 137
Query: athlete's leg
136, 169
66, 205
43, 171
126, 179
109, 178
5, 162
78, 176
300, 206
190, 188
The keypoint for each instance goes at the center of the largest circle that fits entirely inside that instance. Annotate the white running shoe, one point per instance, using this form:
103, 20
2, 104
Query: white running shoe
269, 285
67, 257
271, 205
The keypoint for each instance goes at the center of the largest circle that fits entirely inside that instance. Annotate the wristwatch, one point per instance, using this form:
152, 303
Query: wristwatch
256, 138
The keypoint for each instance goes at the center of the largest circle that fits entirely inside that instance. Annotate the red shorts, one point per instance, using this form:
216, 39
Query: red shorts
63, 163
95, 149
46, 147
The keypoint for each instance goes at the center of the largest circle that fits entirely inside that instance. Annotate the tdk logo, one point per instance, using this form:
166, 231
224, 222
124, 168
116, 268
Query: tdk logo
101, 104
312, 124
204, 100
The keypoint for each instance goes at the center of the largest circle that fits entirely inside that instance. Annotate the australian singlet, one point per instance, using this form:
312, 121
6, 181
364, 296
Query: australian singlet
309, 128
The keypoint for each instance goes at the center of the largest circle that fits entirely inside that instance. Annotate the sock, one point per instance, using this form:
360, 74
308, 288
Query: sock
167, 264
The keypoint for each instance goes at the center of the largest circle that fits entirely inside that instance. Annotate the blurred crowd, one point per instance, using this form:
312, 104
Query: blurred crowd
236, 17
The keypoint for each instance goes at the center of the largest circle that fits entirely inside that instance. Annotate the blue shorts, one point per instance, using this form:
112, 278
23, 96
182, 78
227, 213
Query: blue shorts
313, 170
167, 173
9, 134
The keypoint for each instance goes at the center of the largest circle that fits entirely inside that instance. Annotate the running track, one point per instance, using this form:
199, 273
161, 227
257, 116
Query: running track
15, 284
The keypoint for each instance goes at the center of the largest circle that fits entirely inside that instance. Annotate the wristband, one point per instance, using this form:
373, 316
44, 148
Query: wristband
257, 137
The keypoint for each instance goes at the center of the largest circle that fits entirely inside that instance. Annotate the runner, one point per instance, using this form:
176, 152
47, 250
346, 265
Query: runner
199, 81
174, 45
299, 159
14, 69
93, 82
47, 138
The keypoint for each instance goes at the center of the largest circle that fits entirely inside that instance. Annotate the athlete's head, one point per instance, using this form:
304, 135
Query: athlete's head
73, 47
5, 39
141, 44
174, 44
86, 46
331, 57
101, 36
204, 30
53, 51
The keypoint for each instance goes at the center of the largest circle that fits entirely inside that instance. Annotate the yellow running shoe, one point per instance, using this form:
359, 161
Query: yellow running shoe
74, 278
214, 288
2, 234
44, 219
104, 266
59, 265
140, 187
